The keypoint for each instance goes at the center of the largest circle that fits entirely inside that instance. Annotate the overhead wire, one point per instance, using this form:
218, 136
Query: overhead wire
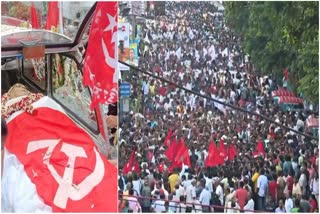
217, 101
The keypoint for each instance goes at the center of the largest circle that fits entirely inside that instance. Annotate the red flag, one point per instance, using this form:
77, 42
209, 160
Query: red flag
100, 62
171, 151
62, 161
213, 159
232, 152
52, 16
128, 167
259, 149
34, 17
182, 154
168, 138
132, 165
222, 149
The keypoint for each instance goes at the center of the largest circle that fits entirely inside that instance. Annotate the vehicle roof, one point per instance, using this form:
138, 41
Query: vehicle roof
282, 92
288, 99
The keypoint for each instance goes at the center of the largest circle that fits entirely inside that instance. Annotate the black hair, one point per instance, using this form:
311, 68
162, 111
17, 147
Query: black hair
4, 129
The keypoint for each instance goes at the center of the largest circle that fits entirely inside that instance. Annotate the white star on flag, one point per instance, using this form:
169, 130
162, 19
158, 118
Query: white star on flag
112, 23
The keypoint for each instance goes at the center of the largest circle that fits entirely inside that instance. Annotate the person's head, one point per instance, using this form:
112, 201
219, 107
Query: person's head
281, 203
131, 191
132, 54
241, 184
4, 132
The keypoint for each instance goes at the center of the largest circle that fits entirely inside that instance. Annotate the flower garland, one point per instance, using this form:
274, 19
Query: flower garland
24, 104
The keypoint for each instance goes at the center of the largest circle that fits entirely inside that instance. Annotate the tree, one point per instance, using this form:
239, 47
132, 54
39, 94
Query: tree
278, 35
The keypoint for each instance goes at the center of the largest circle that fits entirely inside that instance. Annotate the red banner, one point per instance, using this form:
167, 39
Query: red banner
100, 64
63, 162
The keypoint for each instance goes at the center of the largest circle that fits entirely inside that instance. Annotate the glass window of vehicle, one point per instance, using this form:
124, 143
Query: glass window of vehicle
35, 71
69, 91
29, 21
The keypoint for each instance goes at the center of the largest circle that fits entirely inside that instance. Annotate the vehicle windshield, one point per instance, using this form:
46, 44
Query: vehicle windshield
41, 22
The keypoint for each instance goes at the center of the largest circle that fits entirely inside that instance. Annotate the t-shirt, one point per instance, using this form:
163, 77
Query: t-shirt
173, 180
262, 184
272, 189
242, 196
295, 210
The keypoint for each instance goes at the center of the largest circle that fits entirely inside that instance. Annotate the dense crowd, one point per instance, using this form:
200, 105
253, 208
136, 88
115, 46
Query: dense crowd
192, 47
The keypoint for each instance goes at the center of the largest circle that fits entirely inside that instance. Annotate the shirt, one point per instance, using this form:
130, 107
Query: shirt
262, 184
191, 193
241, 196
315, 186
173, 180
134, 204
279, 210
137, 186
219, 192
288, 205
159, 206
205, 197
249, 206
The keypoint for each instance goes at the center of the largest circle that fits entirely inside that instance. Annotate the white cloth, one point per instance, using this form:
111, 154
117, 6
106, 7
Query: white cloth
288, 205
18, 193
249, 206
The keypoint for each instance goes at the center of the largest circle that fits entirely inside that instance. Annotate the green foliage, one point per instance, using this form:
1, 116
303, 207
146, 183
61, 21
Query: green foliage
278, 35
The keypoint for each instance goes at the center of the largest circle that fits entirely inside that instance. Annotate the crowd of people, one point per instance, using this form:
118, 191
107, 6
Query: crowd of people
192, 47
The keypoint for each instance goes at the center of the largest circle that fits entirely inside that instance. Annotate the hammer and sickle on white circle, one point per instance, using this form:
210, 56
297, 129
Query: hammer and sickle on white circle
66, 187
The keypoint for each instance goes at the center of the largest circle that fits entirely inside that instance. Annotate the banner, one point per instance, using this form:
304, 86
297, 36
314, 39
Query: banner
124, 45
100, 63
61, 160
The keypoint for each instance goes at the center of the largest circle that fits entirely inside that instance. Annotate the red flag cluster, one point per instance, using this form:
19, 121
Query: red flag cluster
100, 63
217, 156
178, 154
132, 165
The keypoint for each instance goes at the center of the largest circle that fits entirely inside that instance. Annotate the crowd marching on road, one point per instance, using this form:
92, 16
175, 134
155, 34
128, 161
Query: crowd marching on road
181, 153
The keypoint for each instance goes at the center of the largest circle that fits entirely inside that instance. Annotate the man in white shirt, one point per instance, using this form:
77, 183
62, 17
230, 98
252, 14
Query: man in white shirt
191, 195
249, 207
134, 205
288, 203
159, 205
219, 190
262, 185
205, 197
